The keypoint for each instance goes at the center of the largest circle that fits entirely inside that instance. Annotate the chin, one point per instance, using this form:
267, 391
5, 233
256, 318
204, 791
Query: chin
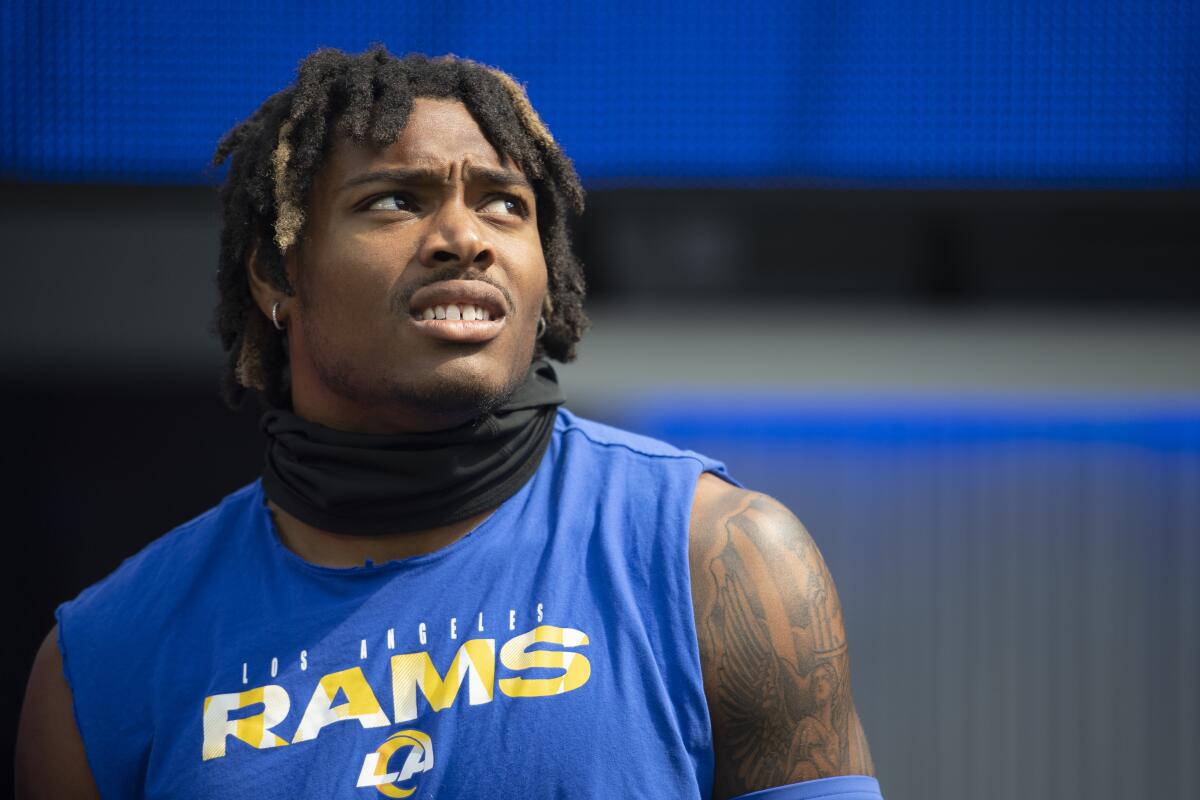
461, 387
465, 393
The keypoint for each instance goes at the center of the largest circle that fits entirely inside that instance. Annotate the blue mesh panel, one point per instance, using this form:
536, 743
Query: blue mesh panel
1033, 92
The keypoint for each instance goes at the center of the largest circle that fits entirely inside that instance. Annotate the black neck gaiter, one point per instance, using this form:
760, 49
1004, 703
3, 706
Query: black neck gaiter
366, 484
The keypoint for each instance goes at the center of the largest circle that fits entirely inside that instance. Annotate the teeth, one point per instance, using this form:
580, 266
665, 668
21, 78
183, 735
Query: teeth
465, 312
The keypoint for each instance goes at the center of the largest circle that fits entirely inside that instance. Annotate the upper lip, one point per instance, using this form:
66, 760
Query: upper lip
462, 292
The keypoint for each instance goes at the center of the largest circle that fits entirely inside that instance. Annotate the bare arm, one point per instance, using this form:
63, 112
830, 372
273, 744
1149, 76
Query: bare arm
772, 646
50, 759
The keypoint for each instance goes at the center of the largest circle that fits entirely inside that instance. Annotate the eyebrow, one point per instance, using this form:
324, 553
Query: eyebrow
504, 178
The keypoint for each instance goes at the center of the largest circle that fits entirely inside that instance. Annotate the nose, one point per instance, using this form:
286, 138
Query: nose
457, 238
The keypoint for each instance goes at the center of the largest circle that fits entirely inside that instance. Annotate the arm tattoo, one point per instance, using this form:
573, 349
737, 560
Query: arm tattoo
773, 649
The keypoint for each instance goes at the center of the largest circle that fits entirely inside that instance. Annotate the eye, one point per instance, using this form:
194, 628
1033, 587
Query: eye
504, 204
394, 202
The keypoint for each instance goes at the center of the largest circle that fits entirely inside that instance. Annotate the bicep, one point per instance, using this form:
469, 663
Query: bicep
50, 759
772, 647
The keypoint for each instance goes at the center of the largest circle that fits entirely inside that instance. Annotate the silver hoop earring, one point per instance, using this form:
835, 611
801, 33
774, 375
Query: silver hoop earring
275, 315
541, 329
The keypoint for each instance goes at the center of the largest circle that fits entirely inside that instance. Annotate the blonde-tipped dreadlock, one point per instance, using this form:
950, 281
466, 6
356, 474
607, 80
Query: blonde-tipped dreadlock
289, 218
275, 154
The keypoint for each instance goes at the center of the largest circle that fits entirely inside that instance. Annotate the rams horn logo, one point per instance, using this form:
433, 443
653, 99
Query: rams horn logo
375, 765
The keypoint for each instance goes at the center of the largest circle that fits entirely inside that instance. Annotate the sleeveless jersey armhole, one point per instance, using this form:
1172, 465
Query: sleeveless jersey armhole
845, 787
109, 782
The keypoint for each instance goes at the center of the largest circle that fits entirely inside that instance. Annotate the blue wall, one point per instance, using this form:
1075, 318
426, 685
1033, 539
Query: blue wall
1030, 92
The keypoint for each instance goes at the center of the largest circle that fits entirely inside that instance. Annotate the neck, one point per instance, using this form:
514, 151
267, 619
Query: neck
328, 549
332, 489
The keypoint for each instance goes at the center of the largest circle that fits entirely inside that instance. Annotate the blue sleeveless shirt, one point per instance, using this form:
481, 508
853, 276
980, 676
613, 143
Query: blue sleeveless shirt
550, 652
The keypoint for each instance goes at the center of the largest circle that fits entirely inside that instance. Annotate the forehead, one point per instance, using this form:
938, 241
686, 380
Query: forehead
438, 134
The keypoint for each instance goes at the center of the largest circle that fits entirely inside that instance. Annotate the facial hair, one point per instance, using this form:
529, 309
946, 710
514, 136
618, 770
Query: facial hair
455, 399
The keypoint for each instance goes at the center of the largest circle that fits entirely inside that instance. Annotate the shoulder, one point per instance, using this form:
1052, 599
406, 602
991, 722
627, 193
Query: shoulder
584, 439
594, 434
772, 645
734, 526
142, 588
93, 668
721, 510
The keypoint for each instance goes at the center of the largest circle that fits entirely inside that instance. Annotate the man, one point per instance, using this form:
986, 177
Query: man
444, 584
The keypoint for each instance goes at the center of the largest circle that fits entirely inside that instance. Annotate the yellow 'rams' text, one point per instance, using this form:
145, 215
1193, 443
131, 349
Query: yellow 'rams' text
412, 675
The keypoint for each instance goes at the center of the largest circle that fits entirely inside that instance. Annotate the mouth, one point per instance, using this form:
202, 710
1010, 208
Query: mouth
459, 311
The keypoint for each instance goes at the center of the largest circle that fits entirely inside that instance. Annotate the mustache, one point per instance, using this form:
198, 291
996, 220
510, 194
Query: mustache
403, 298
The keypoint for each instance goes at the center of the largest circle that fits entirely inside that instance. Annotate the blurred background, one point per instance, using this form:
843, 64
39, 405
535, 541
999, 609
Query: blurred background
928, 272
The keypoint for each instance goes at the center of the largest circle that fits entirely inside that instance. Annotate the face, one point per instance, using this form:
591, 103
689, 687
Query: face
419, 280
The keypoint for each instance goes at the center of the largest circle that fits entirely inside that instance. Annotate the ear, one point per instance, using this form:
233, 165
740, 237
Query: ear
265, 293
259, 328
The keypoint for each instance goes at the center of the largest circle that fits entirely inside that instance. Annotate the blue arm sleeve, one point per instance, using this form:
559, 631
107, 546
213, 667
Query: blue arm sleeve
847, 787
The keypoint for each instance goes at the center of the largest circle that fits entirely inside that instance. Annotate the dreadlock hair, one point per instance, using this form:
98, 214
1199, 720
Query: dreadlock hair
275, 154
